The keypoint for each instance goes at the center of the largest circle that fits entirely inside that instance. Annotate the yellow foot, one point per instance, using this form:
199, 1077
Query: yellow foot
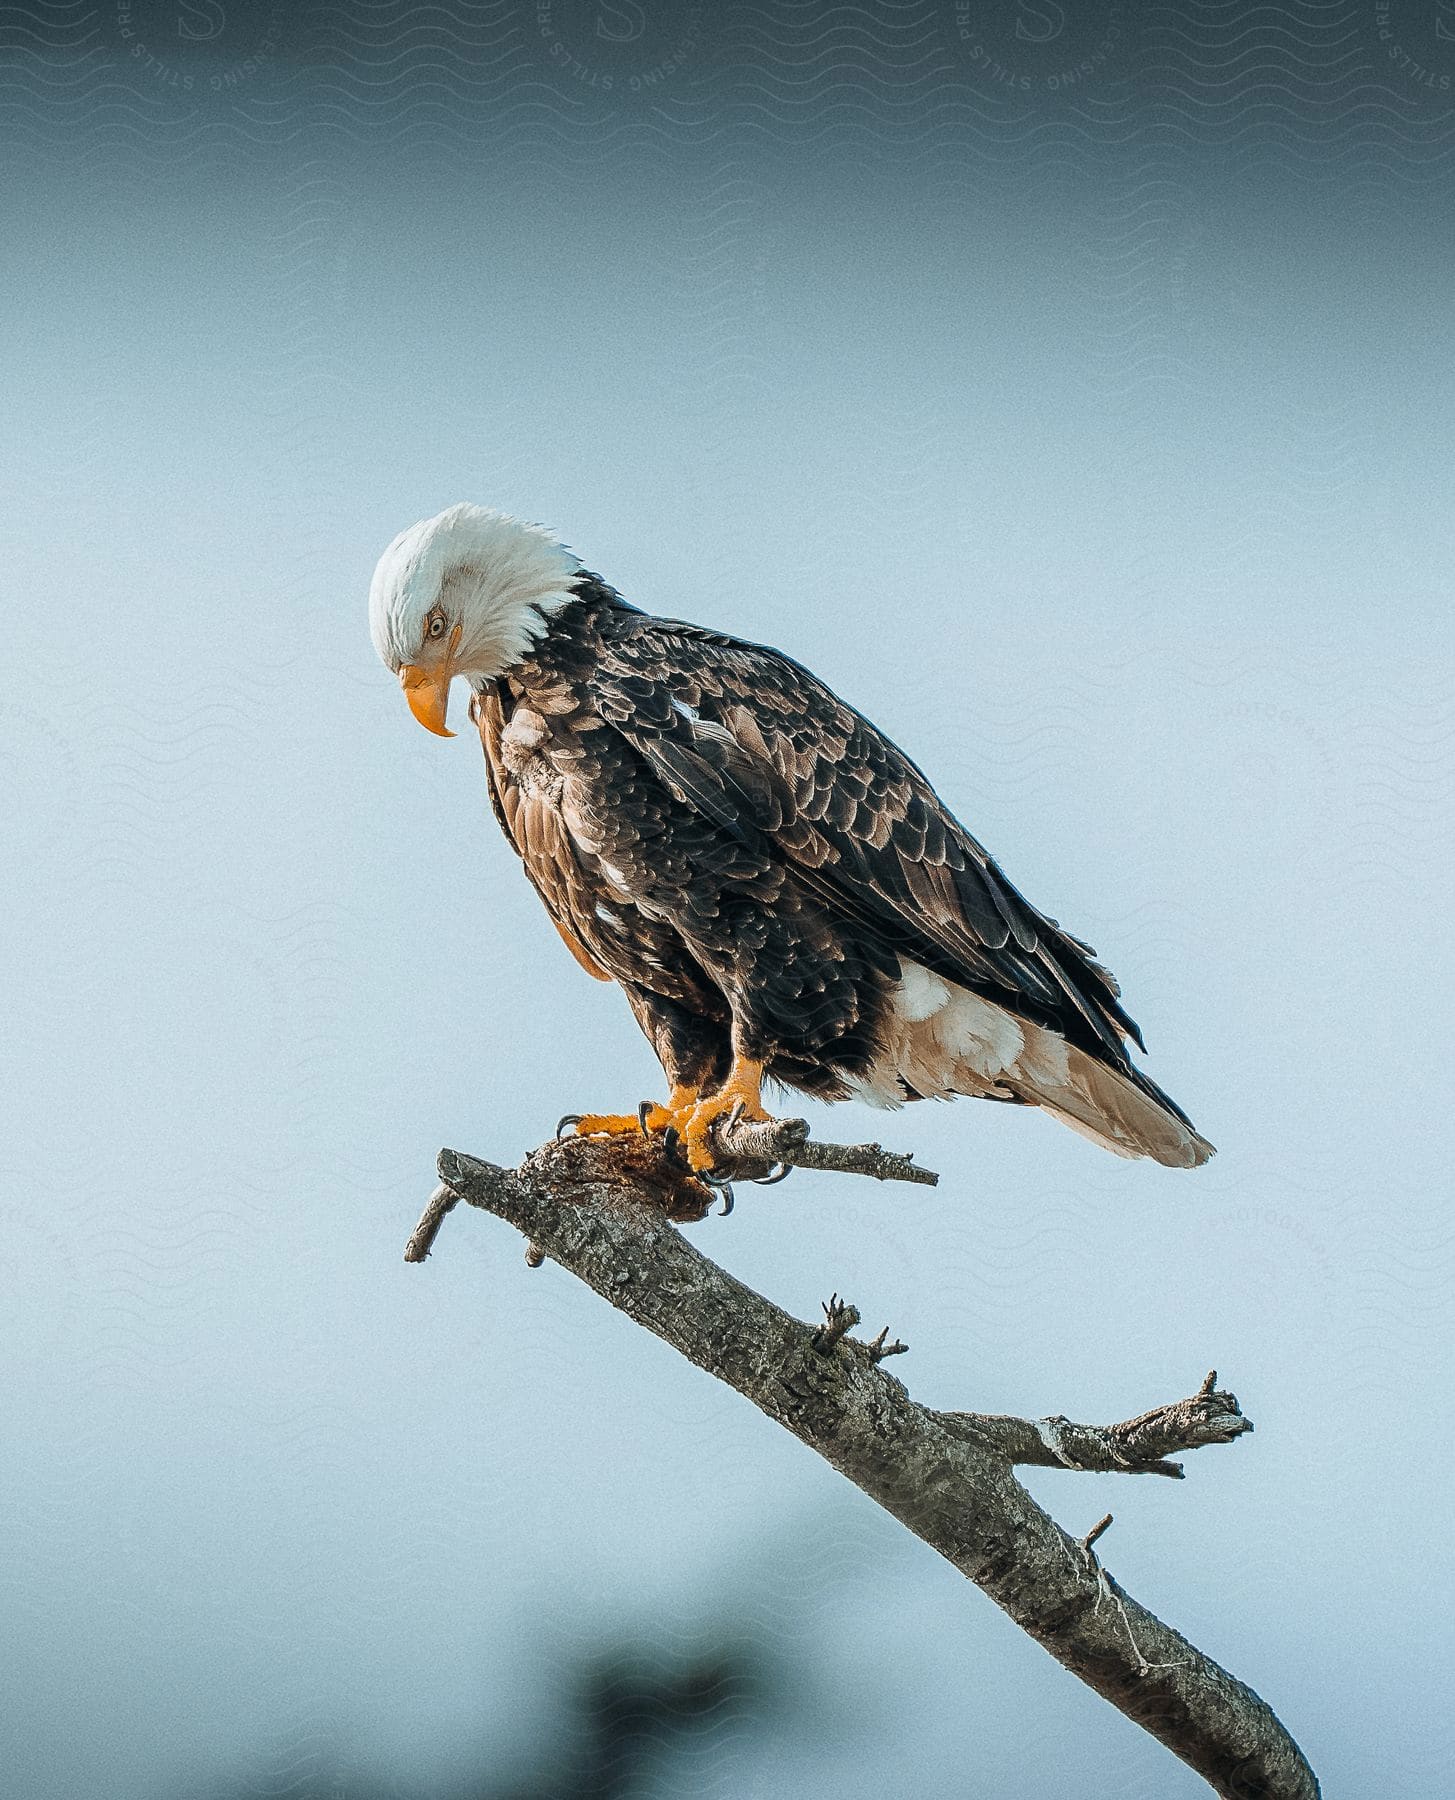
648, 1117
741, 1093
605, 1124
691, 1118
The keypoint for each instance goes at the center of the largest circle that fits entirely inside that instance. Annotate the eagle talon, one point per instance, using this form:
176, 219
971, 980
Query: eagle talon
739, 1097
565, 1120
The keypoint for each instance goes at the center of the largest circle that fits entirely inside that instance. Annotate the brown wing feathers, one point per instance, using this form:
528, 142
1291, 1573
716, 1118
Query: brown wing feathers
761, 748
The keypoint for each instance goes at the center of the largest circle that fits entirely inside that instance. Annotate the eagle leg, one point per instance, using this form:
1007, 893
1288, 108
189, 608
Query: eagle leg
647, 1118
742, 1092
606, 1124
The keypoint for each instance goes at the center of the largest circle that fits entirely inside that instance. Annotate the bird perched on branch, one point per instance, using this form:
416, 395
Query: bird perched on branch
776, 888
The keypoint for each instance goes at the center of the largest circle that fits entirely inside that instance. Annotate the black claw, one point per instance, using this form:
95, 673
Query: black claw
643, 1108
672, 1147
719, 1185
565, 1120
784, 1171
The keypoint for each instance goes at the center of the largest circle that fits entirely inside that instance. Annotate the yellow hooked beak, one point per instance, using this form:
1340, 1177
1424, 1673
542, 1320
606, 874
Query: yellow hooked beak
427, 688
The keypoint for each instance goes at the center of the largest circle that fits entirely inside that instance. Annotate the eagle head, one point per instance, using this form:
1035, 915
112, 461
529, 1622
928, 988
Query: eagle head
464, 593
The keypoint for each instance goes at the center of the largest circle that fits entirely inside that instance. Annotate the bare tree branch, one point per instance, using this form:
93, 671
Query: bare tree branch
441, 1203
1135, 1447
601, 1208
742, 1142
751, 1149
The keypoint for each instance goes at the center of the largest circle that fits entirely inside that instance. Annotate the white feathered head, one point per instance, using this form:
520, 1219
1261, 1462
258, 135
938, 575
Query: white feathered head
464, 593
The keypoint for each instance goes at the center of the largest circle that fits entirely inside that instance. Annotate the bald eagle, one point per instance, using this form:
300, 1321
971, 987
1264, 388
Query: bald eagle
774, 885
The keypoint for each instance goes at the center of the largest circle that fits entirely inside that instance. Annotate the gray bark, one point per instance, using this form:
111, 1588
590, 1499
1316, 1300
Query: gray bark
603, 1209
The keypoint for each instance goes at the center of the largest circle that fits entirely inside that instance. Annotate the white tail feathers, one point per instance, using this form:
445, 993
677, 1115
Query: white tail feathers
1102, 1105
941, 1039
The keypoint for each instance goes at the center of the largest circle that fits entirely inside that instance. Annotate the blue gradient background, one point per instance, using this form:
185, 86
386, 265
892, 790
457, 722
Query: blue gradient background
1095, 436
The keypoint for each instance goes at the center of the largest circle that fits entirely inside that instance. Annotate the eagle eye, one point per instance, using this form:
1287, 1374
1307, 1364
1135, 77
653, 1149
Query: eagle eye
434, 625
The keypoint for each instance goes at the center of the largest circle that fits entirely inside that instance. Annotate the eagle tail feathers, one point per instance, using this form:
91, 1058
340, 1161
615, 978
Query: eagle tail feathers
941, 1039
1127, 1114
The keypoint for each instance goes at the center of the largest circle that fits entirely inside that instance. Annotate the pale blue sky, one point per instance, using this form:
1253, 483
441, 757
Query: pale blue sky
1137, 536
